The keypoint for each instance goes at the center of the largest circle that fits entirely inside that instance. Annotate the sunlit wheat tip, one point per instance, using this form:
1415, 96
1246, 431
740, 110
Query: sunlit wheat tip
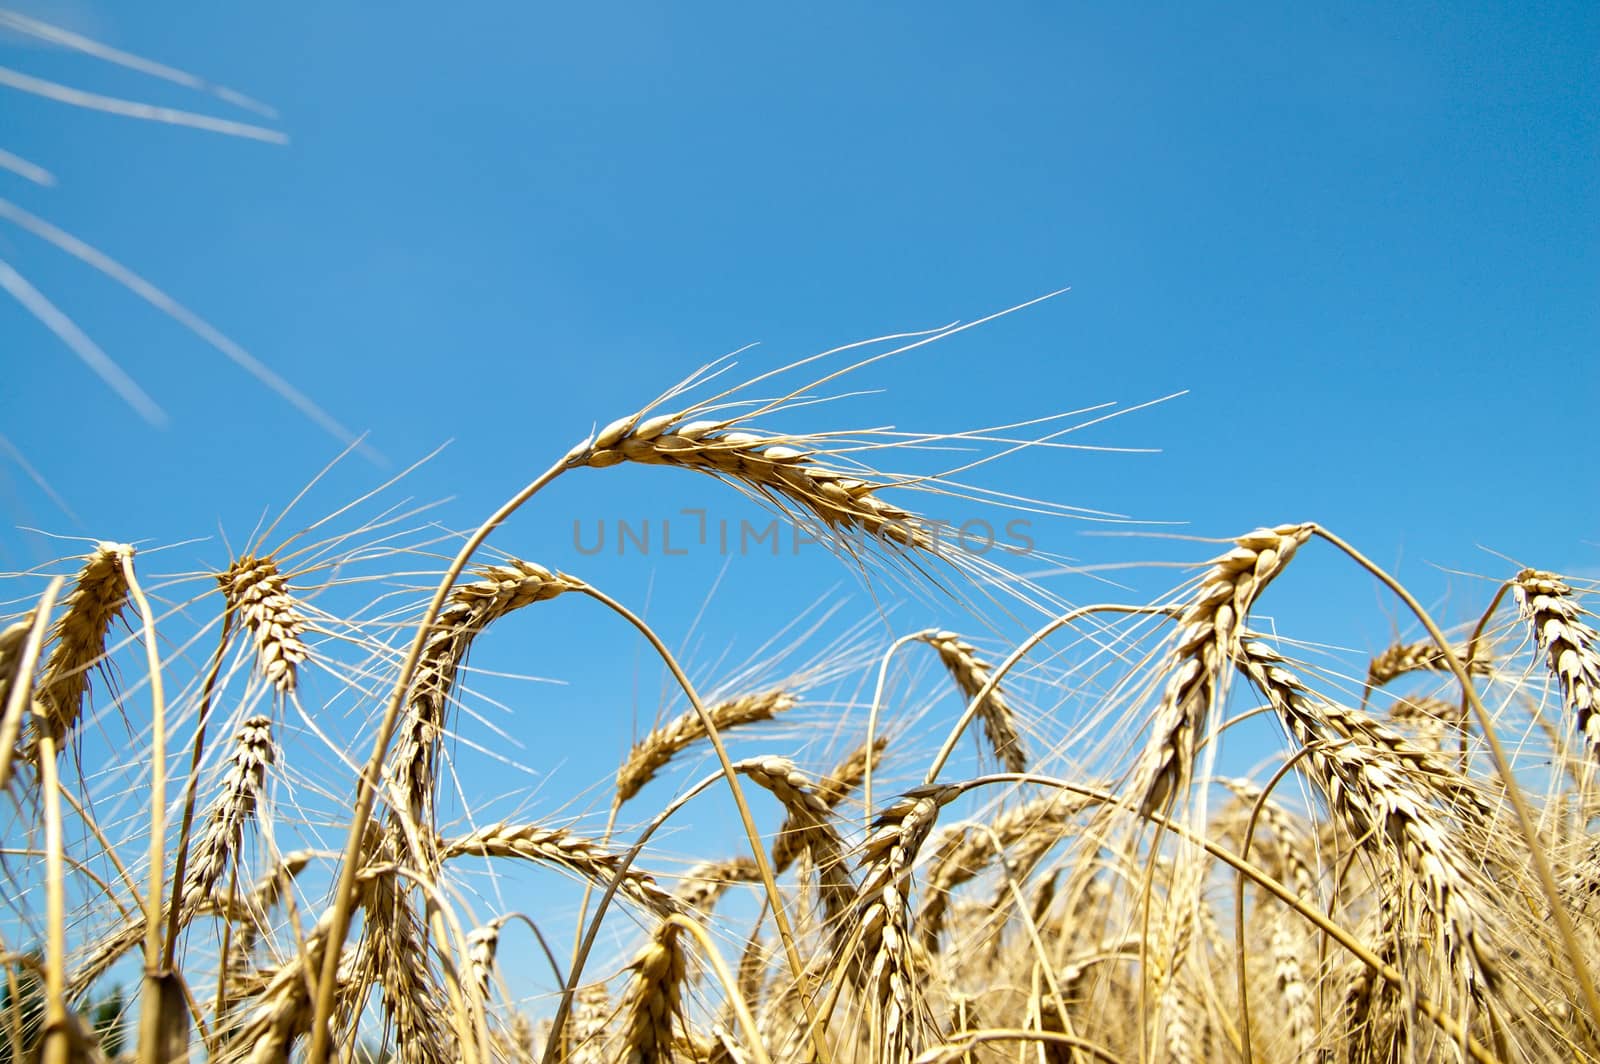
259, 595
766, 466
1196, 671
1402, 658
653, 752
235, 804
96, 600
1571, 646
971, 675
498, 590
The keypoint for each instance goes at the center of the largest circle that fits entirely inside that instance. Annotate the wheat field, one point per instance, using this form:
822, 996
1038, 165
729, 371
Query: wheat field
243, 819
223, 836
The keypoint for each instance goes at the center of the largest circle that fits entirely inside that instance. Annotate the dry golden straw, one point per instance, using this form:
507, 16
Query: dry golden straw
1400, 877
971, 675
1207, 632
652, 753
93, 606
1571, 646
259, 595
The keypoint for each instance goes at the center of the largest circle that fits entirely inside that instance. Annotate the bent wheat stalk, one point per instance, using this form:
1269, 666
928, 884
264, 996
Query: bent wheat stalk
971, 676
94, 604
1205, 641
499, 590
838, 500
1403, 658
20, 645
259, 595
652, 753
563, 848
1571, 647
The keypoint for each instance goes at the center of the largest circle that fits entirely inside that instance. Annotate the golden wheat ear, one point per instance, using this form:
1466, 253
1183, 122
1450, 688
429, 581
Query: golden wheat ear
259, 595
707, 881
1570, 645
561, 848
652, 1005
471, 608
1400, 659
887, 967
1207, 636
768, 467
97, 599
657, 749
233, 808
1389, 815
972, 677
808, 828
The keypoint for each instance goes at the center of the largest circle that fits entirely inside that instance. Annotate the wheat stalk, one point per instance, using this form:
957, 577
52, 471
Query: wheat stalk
20, 647
653, 752
769, 467
518, 1042
563, 848
1286, 937
95, 602
283, 1010
12, 639
971, 675
1208, 632
472, 607
259, 595
1400, 659
1570, 645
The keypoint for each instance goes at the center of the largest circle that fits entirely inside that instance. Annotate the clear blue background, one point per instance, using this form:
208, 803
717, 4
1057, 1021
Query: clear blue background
1365, 239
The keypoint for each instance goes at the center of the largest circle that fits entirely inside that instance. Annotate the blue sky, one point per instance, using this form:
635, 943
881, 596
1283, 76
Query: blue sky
1364, 239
